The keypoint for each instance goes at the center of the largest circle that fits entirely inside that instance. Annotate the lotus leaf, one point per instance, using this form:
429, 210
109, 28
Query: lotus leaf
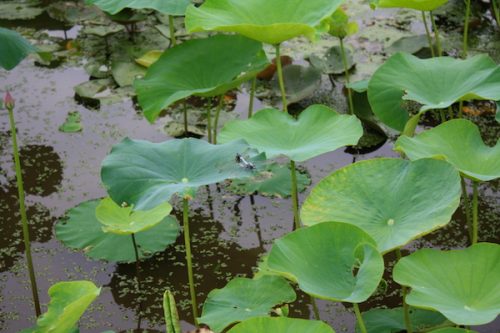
392, 320
102, 30
459, 142
281, 325
68, 302
267, 21
452, 330
125, 73
81, 230
461, 284
244, 298
425, 5
15, 10
393, 200
409, 44
333, 261
331, 61
300, 82
125, 220
149, 58
340, 26
317, 130
13, 48
72, 124
171, 7
435, 83
146, 174
201, 67
170, 313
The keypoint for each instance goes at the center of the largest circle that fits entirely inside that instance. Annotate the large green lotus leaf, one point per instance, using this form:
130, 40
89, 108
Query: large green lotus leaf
333, 261
459, 142
146, 174
267, 21
82, 231
452, 330
461, 284
125, 220
202, 67
13, 48
244, 298
281, 325
316, 131
393, 200
435, 83
392, 320
425, 5
68, 302
171, 7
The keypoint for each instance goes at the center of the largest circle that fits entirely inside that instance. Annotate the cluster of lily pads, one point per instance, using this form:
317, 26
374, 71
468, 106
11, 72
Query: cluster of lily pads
350, 219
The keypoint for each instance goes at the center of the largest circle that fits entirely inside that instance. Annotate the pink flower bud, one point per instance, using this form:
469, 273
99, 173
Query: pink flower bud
8, 101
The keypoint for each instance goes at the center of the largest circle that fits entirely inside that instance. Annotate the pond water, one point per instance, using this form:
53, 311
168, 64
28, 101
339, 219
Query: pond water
229, 232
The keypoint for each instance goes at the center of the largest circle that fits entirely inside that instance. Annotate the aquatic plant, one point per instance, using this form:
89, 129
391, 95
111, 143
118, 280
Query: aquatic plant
281, 325
13, 48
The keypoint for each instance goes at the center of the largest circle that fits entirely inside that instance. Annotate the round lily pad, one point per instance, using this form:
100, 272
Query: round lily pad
317, 130
461, 284
16, 10
201, 67
393, 200
333, 261
244, 298
13, 48
331, 61
125, 73
281, 325
81, 230
300, 82
425, 5
435, 83
459, 142
171, 7
267, 21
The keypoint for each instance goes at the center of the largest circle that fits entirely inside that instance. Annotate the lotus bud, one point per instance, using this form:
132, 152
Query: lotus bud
8, 101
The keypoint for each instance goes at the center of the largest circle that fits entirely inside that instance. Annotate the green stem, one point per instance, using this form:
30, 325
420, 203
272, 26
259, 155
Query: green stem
450, 112
442, 115
406, 308
315, 309
460, 107
496, 11
280, 78
217, 113
184, 110
187, 244
22, 210
295, 196
137, 264
466, 29
475, 222
428, 33
466, 206
209, 120
361, 323
436, 35
252, 96
171, 27
347, 78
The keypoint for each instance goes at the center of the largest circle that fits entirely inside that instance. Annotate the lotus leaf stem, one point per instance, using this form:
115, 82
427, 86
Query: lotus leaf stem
280, 78
295, 196
466, 206
466, 29
217, 114
22, 210
450, 112
347, 78
428, 33
496, 11
361, 323
171, 27
315, 308
184, 111
187, 243
460, 107
442, 115
406, 308
436, 35
209, 120
252, 96
137, 263
475, 222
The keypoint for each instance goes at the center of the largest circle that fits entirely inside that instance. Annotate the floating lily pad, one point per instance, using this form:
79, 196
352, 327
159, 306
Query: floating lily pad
409, 44
172, 7
92, 88
300, 82
125, 73
274, 180
281, 325
392, 320
72, 12
68, 302
459, 142
159, 170
103, 30
435, 83
15, 10
269, 22
317, 130
425, 5
72, 124
82, 231
244, 298
201, 67
461, 284
125, 220
13, 48
332, 261
331, 61
368, 194
149, 58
